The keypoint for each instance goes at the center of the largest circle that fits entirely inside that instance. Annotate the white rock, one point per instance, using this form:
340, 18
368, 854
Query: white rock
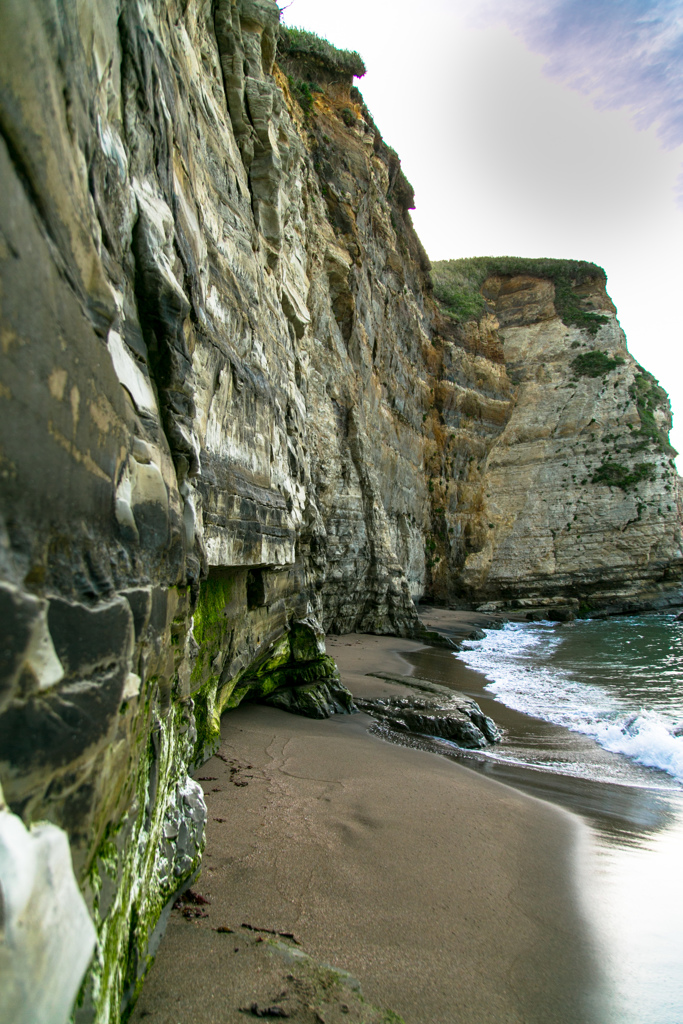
131, 376
47, 937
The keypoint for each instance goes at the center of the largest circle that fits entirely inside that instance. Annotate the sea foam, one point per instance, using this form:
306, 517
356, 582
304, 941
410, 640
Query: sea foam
519, 662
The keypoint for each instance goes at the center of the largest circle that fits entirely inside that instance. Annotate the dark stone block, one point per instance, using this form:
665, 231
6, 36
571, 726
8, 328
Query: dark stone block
18, 613
318, 700
55, 729
132, 335
140, 601
86, 638
447, 724
159, 613
151, 519
307, 640
436, 711
561, 614
256, 595
75, 815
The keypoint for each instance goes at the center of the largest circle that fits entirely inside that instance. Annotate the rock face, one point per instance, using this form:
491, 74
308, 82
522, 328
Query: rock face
435, 711
47, 935
233, 417
571, 504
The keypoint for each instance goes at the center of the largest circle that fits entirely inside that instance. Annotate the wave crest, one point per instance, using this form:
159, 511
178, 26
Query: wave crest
517, 661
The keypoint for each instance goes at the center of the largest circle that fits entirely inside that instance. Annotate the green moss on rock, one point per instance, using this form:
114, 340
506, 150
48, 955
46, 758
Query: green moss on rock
295, 660
613, 474
317, 700
296, 677
595, 363
139, 865
215, 594
207, 711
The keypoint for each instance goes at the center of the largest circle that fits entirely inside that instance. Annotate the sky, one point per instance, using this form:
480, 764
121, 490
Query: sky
538, 128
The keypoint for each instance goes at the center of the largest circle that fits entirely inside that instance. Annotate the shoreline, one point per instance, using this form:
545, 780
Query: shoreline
452, 898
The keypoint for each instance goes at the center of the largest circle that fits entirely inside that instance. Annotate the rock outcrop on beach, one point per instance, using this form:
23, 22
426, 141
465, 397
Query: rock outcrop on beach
433, 710
234, 417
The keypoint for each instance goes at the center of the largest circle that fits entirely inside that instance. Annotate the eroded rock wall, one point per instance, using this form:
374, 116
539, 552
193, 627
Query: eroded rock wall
233, 419
198, 462
570, 503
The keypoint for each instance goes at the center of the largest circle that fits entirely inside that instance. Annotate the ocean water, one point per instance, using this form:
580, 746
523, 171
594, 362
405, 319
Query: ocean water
592, 719
618, 681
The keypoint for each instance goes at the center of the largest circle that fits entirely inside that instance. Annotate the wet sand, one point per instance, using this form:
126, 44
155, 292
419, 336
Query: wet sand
622, 813
451, 898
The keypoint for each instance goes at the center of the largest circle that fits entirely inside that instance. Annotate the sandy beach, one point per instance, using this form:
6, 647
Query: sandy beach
449, 897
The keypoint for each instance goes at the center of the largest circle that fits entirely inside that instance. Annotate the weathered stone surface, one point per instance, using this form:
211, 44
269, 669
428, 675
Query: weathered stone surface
435, 711
571, 502
47, 937
319, 700
87, 639
28, 659
232, 417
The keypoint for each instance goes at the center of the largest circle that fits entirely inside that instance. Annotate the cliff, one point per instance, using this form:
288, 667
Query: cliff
234, 417
571, 504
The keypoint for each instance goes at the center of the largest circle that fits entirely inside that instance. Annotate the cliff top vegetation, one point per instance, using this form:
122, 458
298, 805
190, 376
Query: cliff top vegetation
457, 285
297, 42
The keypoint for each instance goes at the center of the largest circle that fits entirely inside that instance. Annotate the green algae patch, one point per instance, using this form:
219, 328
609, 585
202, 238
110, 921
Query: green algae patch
215, 593
207, 715
140, 864
294, 673
293, 663
291, 674
306, 643
210, 625
272, 661
317, 700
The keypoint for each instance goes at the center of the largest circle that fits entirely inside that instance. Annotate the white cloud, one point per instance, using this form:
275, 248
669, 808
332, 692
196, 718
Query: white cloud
622, 53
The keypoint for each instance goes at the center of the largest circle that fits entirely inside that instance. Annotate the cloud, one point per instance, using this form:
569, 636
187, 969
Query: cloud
622, 53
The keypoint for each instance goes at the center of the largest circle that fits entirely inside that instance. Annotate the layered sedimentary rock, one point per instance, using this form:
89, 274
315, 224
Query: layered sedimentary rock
570, 501
433, 711
233, 417
199, 466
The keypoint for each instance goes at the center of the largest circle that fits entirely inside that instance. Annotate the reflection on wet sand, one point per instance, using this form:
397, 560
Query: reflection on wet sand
554, 764
633, 884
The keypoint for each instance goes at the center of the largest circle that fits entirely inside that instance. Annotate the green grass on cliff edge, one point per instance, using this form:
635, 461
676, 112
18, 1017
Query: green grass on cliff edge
457, 285
297, 42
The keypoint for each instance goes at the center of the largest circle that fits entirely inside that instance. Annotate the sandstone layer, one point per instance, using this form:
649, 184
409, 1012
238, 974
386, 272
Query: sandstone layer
234, 418
571, 501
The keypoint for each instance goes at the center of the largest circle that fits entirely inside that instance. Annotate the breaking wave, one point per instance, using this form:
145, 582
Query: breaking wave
529, 668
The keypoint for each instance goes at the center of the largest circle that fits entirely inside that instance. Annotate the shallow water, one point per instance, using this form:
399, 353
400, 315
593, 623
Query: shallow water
590, 712
619, 681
